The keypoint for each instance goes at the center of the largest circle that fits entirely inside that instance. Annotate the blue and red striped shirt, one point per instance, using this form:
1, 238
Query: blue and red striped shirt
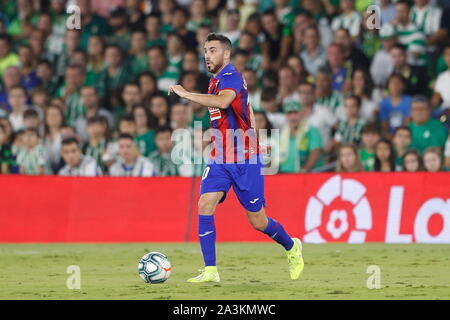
233, 137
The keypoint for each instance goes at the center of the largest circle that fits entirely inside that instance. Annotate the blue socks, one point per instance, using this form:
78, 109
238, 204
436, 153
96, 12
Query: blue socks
207, 236
276, 231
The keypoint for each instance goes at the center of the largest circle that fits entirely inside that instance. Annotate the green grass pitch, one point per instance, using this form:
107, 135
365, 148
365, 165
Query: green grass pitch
247, 270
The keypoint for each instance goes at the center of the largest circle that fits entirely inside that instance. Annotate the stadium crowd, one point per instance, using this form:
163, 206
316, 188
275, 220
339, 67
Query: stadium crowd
350, 90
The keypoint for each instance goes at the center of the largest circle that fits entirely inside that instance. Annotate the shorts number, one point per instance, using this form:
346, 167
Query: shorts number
205, 173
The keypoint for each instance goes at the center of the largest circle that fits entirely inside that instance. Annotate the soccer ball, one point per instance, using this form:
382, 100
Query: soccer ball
154, 267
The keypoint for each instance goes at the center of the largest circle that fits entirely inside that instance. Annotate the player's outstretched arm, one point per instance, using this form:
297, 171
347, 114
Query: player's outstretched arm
222, 100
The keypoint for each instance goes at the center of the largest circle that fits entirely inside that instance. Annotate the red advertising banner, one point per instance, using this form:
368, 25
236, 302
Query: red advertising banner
318, 208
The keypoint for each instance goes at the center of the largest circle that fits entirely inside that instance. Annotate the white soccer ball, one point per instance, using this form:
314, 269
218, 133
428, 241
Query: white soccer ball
154, 267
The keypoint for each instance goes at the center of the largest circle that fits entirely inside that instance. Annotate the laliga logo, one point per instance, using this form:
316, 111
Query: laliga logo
341, 204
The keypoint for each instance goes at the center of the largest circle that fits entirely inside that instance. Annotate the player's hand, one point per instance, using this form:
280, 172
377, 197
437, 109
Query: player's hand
179, 90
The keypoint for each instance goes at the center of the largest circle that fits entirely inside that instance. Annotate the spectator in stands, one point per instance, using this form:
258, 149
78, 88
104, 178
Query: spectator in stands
441, 94
27, 66
349, 131
384, 156
325, 95
76, 163
362, 87
159, 110
349, 19
297, 64
54, 119
7, 57
416, 77
432, 159
340, 69
427, 18
200, 115
153, 30
137, 53
95, 147
145, 135
96, 54
426, 132
276, 51
191, 64
161, 158
271, 107
412, 161
408, 33
395, 110
6, 156
165, 74
254, 92
31, 120
313, 55
130, 163
370, 137
381, 67
148, 85
46, 76
11, 78
175, 51
131, 96
318, 116
17, 100
115, 75
387, 10
179, 22
91, 103
300, 143
348, 159
401, 141
31, 157
182, 136
287, 87
120, 35
352, 54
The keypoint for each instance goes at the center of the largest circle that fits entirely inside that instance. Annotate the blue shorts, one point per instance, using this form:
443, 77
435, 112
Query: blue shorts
246, 178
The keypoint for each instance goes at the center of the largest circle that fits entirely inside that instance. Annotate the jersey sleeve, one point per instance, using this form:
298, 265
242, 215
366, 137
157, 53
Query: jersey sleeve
231, 81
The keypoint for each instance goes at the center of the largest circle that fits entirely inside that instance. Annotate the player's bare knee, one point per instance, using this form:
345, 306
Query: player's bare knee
206, 207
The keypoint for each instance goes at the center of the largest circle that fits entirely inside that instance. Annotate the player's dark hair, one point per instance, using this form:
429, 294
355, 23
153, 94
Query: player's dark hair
391, 160
221, 38
70, 140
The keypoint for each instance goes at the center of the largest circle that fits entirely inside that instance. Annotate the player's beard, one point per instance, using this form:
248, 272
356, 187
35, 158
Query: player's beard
213, 68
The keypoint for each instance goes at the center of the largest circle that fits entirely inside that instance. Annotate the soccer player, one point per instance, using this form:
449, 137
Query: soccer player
235, 159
